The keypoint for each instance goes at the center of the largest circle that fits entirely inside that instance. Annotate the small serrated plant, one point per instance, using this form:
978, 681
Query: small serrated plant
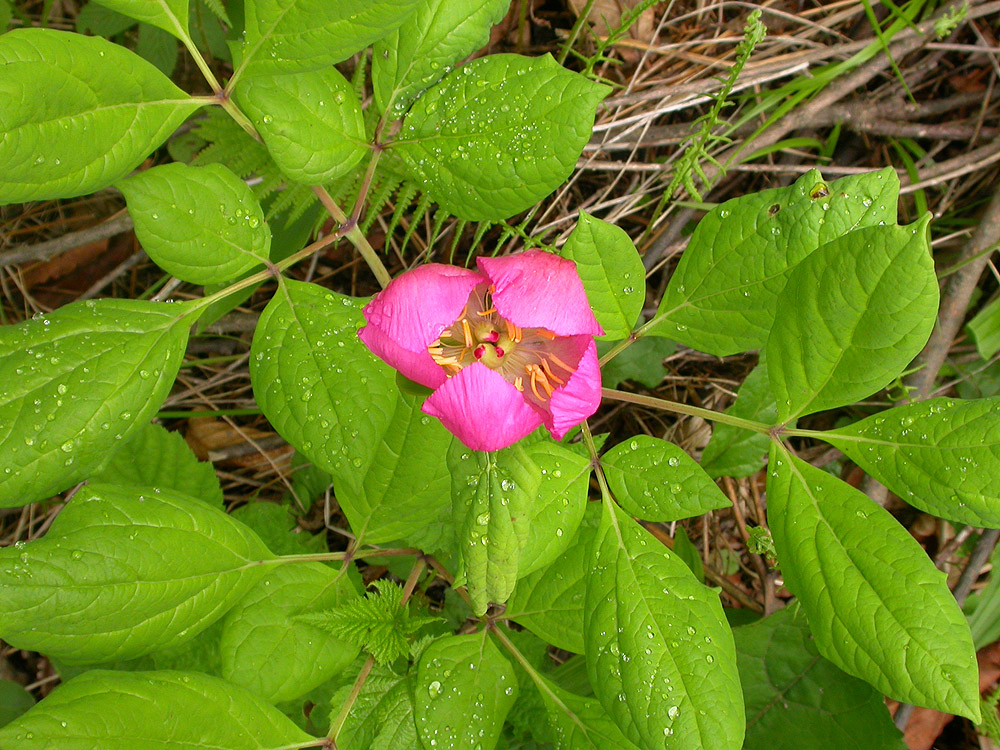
472, 464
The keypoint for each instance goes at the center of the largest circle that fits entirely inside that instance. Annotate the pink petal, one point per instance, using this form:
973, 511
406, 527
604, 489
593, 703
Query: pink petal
578, 399
419, 304
536, 289
482, 409
417, 366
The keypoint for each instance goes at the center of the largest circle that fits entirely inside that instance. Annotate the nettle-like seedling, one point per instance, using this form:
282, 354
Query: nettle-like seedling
192, 627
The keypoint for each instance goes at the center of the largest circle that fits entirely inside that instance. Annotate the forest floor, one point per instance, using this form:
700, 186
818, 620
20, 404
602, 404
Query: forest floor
826, 89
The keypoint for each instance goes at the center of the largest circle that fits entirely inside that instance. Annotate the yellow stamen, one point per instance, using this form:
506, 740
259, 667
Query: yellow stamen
544, 381
545, 334
519, 384
517, 335
446, 361
467, 331
511, 329
534, 378
435, 351
548, 371
484, 313
559, 362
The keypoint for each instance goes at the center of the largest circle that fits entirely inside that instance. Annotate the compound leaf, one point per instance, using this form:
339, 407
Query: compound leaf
123, 572
499, 134
75, 382
857, 574
105, 109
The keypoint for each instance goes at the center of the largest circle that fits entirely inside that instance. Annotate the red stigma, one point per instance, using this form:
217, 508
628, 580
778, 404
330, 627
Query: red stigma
479, 352
499, 351
492, 337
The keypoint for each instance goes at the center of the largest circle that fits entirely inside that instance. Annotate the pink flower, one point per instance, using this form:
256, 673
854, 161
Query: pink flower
505, 349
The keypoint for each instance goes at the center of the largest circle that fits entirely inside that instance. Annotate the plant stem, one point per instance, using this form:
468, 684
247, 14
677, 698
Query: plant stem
637, 334
693, 411
355, 236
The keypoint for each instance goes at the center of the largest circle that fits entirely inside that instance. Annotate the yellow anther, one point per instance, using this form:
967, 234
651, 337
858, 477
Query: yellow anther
467, 332
548, 371
533, 370
559, 362
519, 384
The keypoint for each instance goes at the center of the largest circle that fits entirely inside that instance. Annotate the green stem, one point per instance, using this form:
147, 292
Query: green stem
199, 60
795, 432
692, 411
575, 31
637, 334
355, 236
241, 119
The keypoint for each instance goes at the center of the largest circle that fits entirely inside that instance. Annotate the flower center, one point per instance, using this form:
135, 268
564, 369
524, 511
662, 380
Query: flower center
523, 356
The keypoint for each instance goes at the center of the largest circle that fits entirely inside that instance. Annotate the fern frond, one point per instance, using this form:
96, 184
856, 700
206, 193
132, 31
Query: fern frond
376, 623
218, 10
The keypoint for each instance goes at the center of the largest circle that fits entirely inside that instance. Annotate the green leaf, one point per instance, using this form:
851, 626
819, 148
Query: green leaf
556, 513
940, 455
101, 21
275, 525
857, 573
464, 690
579, 723
797, 699
75, 382
734, 451
155, 457
92, 127
169, 15
657, 481
379, 623
311, 122
491, 494
496, 136
157, 47
641, 361
382, 715
201, 224
721, 299
686, 551
148, 710
549, 602
406, 485
317, 384
76, 593
14, 701
421, 51
854, 314
268, 650
660, 654
985, 329
612, 273
288, 36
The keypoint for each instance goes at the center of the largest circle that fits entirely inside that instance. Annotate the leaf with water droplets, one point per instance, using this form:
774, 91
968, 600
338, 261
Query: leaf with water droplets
421, 52
288, 36
796, 699
491, 494
382, 715
549, 602
201, 224
318, 385
169, 15
660, 654
579, 723
311, 122
657, 481
854, 314
268, 650
555, 515
940, 455
721, 299
499, 134
77, 381
156, 457
180, 710
612, 273
405, 489
91, 127
858, 574
463, 692
123, 572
